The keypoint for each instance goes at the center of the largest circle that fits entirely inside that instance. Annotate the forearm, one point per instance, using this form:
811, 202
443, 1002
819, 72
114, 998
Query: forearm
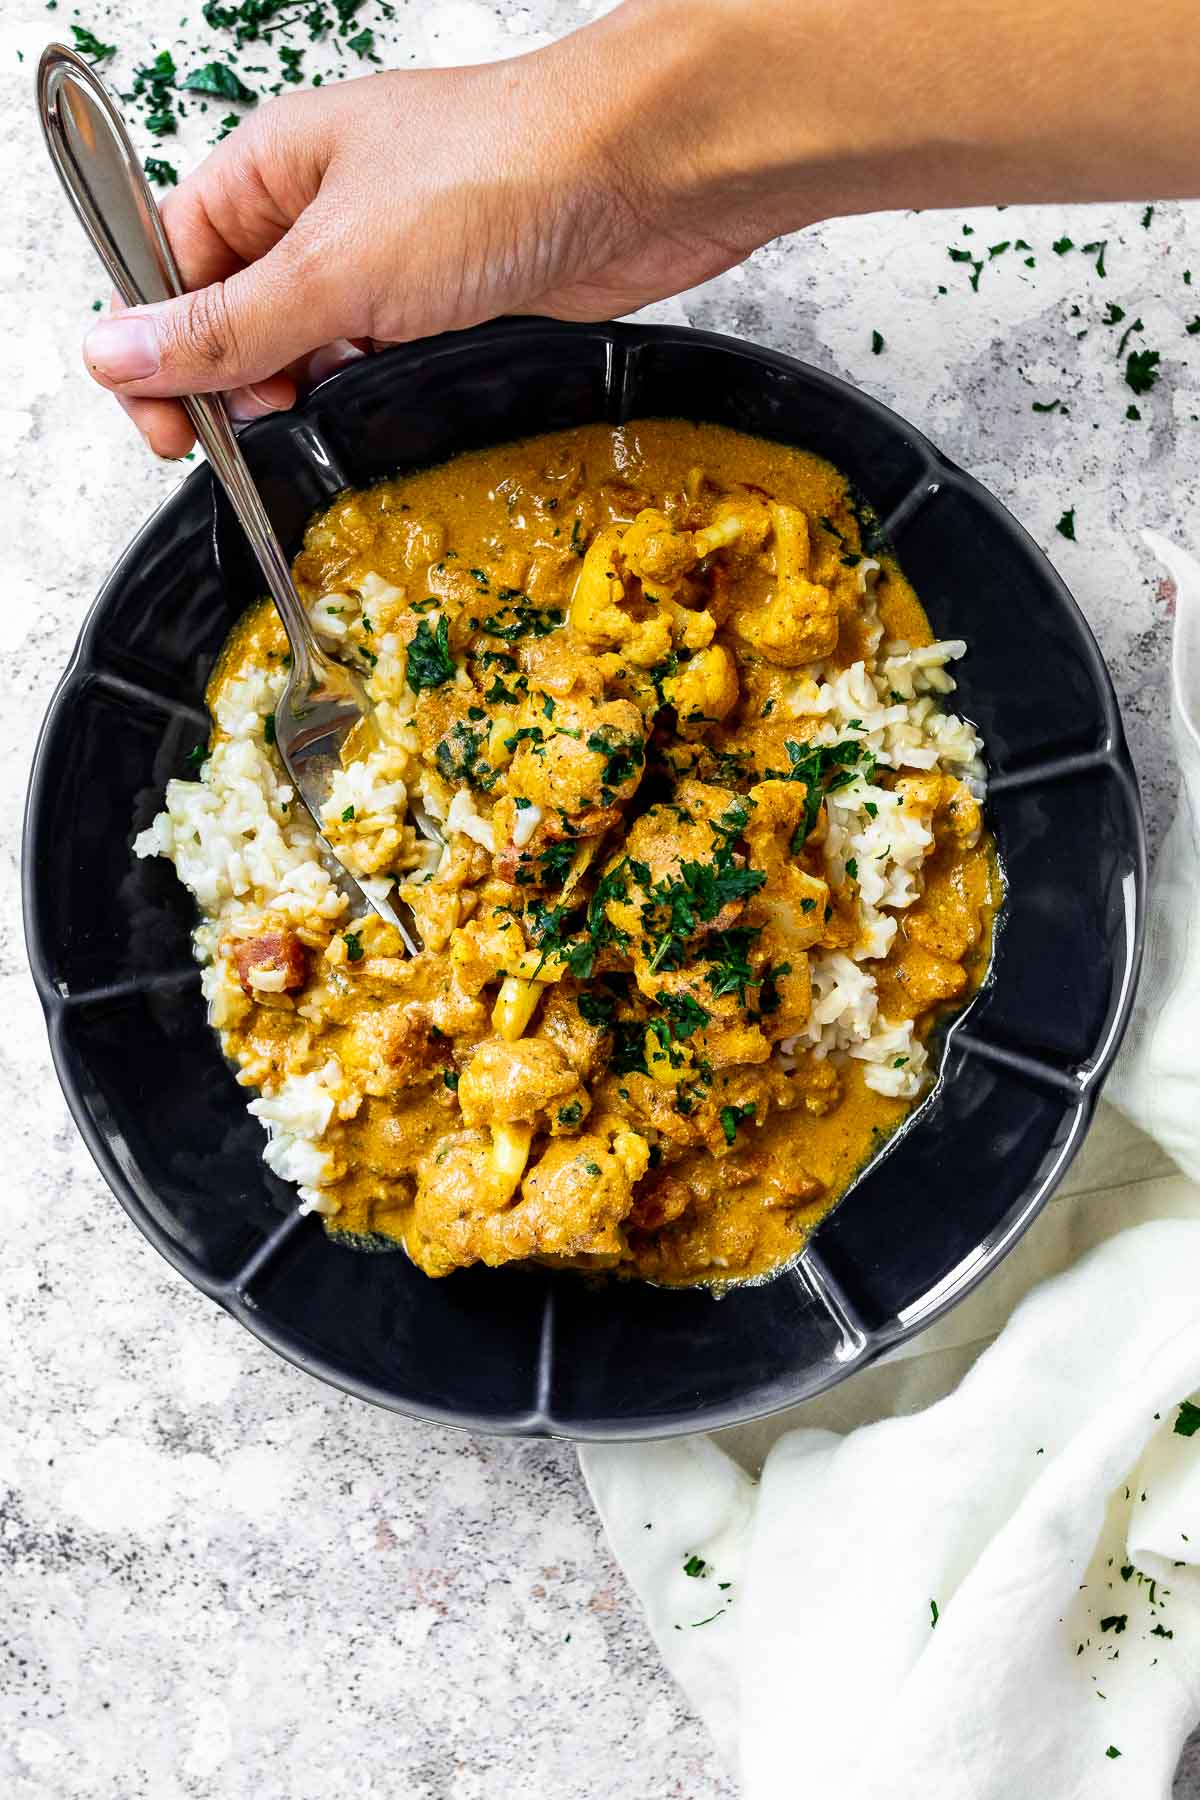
813, 108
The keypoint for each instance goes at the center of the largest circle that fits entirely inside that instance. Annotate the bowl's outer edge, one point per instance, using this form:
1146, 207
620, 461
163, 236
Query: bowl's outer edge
537, 1422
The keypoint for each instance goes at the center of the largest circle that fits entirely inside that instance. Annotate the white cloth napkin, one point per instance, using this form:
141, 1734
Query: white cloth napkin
966, 1576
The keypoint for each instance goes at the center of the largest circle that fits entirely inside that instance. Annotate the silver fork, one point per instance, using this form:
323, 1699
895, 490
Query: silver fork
323, 702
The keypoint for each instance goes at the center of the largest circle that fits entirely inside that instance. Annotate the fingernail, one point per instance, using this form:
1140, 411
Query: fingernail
248, 403
122, 349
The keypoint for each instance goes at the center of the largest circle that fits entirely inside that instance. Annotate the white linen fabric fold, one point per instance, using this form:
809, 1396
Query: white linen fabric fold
973, 1571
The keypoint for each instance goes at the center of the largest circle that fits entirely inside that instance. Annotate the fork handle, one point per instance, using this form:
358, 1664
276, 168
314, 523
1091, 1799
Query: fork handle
99, 168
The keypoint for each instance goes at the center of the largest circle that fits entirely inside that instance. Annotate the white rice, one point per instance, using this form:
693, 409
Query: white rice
896, 714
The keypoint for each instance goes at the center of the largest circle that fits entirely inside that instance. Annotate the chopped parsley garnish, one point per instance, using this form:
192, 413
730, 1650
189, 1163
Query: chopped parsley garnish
450, 1077
675, 908
731, 1117
460, 758
89, 45
1187, 1419
347, 815
823, 768
1066, 525
364, 45
695, 1566
162, 174
218, 78
730, 972
1127, 334
1097, 250
198, 755
596, 1009
685, 1016
570, 1115
852, 868
520, 620
155, 85
354, 949
1061, 245
623, 757
577, 543
269, 728
1141, 370
430, 664
964, 256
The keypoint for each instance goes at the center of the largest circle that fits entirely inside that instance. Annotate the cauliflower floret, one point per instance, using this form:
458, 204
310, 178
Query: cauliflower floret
655, 551
603, 614
799, 624
706, 688
742, 525
520, 1083
483, 948
589, 755
945, 804
573, 1200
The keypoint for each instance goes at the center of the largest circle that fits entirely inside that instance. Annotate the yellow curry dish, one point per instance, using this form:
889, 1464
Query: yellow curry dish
694, 849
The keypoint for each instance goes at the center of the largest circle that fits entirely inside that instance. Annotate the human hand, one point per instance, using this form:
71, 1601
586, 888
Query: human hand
382, 209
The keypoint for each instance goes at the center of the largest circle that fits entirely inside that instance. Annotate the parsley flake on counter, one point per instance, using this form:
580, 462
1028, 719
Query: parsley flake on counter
1066, 525
1112, 314
1127, 334
1061, 245
1193, 328
1046, 406
89, 45
1112, 1751
218, 78
162, 174
1187, 1419
964, 256
1132, 412
877, 342
1141, 370
933, 1614
430, 664
1146, 218
695, 1566
1097, 250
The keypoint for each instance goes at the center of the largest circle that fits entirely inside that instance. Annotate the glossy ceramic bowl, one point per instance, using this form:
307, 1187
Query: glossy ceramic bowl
524, 1350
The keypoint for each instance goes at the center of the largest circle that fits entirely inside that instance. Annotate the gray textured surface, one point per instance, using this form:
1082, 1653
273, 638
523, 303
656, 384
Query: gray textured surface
220, 1580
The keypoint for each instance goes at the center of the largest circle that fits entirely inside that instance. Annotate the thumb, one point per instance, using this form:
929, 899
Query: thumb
229, 334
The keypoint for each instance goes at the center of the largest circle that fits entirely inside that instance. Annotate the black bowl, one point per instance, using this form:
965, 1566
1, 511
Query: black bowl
526, 1350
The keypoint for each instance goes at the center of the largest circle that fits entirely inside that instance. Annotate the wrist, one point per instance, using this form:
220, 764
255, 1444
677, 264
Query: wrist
730, 113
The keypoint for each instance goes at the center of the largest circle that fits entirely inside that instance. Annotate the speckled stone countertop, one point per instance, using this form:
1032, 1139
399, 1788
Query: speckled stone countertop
221, 1580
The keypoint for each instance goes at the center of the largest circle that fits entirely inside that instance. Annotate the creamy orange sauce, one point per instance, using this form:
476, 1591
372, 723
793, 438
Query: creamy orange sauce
703, 1153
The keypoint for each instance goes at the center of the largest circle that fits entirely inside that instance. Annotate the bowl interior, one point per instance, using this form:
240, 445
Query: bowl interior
522, 1350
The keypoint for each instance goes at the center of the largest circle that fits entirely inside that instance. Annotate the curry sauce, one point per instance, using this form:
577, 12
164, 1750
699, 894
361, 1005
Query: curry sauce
695, 883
